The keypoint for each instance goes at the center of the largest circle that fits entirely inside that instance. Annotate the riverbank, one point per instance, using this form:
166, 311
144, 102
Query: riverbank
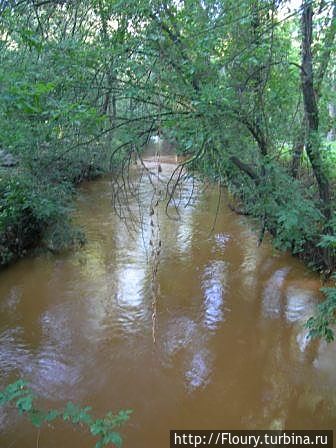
35, 207
291, 214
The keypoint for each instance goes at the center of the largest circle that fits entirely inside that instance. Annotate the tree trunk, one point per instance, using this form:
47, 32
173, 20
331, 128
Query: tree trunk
298, 149
324, 59
311, 110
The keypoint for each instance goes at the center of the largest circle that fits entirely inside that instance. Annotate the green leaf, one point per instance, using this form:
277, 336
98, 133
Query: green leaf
25, 404
37, 418
113, 437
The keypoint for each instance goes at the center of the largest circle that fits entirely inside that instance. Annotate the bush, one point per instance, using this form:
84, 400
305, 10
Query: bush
30, 210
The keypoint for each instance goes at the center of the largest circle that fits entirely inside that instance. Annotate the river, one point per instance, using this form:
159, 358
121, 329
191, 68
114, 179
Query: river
230, 348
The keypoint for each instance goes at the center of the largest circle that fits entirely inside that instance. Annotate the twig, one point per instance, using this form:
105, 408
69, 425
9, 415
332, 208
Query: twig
38, 438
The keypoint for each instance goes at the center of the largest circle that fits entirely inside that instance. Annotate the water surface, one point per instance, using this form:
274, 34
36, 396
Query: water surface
230, 352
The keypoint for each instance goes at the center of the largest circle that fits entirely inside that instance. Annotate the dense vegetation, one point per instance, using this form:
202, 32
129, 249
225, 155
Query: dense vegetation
245, 89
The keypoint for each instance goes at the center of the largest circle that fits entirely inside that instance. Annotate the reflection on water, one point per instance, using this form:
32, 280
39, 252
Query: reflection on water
213, 285
272, 297
231, 348
199, 371
299, 304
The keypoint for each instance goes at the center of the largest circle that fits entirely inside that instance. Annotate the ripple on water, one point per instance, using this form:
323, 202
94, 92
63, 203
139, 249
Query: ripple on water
299, 304
199, 370
11, 300
272, 295
213, 286
14, 354
221, 240
178, 335
54, 375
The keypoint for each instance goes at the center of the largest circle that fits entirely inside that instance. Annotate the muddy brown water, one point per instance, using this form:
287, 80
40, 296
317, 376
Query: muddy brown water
231, 351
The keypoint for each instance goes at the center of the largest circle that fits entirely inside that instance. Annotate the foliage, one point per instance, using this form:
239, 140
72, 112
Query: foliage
51, 131
321, 325
19, 395
29, 211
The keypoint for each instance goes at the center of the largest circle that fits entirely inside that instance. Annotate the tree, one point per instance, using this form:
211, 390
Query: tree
310, 94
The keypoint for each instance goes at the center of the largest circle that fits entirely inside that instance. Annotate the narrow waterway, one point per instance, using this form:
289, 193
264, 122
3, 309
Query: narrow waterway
230, 352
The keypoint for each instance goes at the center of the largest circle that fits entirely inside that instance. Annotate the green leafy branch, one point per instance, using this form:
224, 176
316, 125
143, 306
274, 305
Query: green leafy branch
23, 399
320, 325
